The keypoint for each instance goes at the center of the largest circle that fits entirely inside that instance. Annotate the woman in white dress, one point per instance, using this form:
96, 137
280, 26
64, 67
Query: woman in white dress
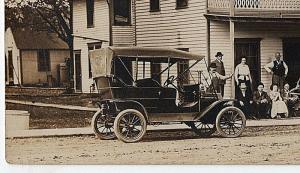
242, 74
278, 105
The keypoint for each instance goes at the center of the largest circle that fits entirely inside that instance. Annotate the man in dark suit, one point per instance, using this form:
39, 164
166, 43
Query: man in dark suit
245, 99
261, 102
220, 69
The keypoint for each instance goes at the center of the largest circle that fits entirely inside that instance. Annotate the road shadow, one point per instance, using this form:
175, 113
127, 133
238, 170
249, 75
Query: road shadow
172, 135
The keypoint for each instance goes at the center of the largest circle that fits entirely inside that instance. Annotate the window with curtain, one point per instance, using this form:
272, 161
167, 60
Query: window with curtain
122, 12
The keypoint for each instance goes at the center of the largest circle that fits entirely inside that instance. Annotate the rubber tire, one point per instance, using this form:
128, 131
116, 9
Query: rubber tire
117, 122
219, 129
95, 129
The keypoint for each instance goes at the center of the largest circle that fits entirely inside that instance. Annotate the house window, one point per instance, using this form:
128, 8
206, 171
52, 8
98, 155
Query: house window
122, 14
93, 46
43, 60
181, 4
90, 13
154, 5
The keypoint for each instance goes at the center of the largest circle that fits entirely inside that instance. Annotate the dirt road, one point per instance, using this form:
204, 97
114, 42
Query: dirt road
268, 145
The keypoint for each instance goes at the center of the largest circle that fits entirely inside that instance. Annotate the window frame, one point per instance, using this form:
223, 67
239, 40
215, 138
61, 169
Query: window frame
128, 23
154, 10
90, 11
182, 7
45, 64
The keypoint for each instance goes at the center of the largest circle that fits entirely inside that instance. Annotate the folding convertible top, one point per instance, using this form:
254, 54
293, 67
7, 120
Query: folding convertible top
101, 59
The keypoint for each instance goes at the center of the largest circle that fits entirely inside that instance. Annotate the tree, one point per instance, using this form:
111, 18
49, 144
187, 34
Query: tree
54, 15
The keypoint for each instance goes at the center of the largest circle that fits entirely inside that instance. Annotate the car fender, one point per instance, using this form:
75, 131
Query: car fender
212, 110
118, 106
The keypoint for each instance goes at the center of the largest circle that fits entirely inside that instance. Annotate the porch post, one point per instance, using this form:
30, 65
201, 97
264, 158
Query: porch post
232, 56
232, 51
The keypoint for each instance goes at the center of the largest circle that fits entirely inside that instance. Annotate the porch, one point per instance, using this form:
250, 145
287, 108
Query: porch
258, 42
265, 23
255, 8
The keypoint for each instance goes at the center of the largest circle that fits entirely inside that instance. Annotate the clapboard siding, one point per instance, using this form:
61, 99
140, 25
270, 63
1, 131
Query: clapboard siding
170, 27
101, 24
123, 35
220, 42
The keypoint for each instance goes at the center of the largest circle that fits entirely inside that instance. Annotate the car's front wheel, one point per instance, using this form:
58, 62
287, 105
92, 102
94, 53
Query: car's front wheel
230, 122
130, 126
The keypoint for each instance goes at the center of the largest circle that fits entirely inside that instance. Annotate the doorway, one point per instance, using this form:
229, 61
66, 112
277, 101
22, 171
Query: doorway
10, 68
291, 56
78, 75
249, 48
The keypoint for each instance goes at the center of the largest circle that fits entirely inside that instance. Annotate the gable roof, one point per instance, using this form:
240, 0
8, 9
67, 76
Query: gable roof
26, 38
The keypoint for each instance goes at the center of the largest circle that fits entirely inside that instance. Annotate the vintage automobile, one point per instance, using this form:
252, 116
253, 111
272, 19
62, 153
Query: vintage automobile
142, 86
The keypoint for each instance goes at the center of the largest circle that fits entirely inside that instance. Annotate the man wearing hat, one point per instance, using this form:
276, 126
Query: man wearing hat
216, 78
279, 70
220, 69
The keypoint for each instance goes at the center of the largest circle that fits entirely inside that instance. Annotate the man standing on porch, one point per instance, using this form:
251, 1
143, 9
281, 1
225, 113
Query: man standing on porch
220, 69
279, 69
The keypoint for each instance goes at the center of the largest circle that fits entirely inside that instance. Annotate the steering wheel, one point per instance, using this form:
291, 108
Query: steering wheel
169, 80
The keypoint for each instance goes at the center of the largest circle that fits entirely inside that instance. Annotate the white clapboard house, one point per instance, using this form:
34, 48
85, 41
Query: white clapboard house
252, 28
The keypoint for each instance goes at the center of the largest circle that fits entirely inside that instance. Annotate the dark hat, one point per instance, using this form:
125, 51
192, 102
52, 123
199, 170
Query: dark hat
260, 83
213, 65
219, 54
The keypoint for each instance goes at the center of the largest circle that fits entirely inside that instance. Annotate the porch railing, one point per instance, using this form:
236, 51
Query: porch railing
255, 5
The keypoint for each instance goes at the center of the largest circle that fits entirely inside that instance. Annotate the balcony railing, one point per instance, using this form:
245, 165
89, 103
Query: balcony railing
255, 7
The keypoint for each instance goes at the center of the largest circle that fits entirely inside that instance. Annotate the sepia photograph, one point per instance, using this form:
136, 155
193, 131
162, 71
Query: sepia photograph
152, 82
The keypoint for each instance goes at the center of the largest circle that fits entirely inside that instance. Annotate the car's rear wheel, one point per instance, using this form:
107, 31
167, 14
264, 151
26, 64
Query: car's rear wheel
130, 126
230, 122
203, 129
103, 126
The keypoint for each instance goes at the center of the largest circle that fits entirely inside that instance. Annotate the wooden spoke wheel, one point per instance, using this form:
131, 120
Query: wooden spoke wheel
230, 122
203, 129
103, 126
130, 126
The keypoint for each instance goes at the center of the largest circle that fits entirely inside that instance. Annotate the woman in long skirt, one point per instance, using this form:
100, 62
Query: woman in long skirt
278, 105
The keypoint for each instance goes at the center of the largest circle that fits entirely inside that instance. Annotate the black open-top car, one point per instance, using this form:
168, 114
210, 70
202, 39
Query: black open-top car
145, 86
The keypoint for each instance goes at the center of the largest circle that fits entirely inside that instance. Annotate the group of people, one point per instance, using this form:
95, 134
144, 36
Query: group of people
256, 104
